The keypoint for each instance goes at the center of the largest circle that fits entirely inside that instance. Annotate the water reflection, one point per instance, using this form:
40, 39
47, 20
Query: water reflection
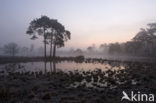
54, 66
45, 66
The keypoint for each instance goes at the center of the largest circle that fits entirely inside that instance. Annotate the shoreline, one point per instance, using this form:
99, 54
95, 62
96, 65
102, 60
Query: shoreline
5, 60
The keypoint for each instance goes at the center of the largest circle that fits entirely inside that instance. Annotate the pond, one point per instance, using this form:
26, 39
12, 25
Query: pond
51, 66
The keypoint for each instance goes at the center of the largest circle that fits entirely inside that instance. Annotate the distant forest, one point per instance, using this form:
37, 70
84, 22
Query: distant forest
143, 44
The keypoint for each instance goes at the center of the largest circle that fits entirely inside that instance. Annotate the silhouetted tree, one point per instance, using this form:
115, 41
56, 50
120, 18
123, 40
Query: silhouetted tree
11, 49
152, 30
40, 26
50, 35
147, 36
142, 35
58, 35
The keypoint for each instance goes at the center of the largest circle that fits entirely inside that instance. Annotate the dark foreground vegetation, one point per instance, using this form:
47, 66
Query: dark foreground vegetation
95, 86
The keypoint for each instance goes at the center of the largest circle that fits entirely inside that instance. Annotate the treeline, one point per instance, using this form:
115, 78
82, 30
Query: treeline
133, 48
143, 44
13, 49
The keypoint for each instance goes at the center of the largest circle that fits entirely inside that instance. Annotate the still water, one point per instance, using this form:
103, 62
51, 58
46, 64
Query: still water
50, 66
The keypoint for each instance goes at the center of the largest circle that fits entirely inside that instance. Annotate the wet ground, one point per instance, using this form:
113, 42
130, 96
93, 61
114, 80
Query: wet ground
77, 86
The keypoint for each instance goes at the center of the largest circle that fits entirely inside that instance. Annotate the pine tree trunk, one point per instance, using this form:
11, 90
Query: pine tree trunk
45, 46
54, 51
51, 48
54, 66
45, 66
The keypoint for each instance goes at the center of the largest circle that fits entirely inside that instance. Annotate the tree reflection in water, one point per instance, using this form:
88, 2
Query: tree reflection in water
52, 66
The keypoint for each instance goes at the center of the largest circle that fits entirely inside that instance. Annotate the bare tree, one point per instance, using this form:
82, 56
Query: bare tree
11, 49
